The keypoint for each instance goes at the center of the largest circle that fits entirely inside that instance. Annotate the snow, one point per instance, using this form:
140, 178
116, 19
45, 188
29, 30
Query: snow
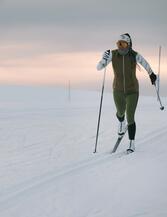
47, 164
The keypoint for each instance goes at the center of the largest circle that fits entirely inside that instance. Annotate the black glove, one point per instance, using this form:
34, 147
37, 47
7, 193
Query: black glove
153, 78
106, 55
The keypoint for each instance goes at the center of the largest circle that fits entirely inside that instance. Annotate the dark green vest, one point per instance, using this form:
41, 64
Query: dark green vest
125, 72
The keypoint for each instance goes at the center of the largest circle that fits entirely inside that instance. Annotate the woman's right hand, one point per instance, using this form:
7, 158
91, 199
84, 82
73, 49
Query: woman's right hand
106, 55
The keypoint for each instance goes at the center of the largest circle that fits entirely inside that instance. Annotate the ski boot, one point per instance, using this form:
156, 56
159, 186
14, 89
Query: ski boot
121, 128
131, 147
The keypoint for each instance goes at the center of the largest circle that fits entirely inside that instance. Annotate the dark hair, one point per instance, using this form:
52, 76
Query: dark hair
130, 39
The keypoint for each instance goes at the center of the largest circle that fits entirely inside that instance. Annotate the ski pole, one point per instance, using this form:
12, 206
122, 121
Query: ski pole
159, 99
158, 81
98, 124
159, 63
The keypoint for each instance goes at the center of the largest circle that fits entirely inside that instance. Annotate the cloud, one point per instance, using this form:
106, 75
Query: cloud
50, 69
83, 13
43, 31
82, 25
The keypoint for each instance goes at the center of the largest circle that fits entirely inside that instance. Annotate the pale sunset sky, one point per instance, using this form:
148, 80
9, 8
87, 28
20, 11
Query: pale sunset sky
49, 42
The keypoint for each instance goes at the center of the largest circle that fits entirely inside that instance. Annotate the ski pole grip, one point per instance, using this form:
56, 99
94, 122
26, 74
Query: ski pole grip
108, 53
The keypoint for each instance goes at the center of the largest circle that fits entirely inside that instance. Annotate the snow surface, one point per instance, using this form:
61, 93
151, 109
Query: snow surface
47, 165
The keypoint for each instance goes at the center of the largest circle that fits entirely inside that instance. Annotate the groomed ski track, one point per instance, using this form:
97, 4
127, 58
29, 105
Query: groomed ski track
16, 194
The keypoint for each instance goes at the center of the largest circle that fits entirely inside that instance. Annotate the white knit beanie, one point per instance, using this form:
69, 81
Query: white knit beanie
124, 38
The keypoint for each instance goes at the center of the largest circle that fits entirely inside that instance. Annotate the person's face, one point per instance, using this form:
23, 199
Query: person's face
122, 44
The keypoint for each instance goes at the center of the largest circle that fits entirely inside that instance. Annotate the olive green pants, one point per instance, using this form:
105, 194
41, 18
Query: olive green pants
126, 103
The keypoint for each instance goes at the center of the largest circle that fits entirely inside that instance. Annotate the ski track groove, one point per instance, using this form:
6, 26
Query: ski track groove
48, 178
154, 134
7, 197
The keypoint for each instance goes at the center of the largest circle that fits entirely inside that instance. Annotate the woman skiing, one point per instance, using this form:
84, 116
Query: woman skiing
125, 85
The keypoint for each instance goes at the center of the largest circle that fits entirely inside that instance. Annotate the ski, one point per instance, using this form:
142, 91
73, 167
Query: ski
118, 142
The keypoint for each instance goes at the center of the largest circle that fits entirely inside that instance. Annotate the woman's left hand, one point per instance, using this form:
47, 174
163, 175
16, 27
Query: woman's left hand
153, 78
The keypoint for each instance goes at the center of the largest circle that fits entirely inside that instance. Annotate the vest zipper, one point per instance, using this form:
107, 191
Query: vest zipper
124, 74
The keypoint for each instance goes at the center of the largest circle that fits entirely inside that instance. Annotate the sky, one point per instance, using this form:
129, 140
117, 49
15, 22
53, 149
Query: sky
49, 42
